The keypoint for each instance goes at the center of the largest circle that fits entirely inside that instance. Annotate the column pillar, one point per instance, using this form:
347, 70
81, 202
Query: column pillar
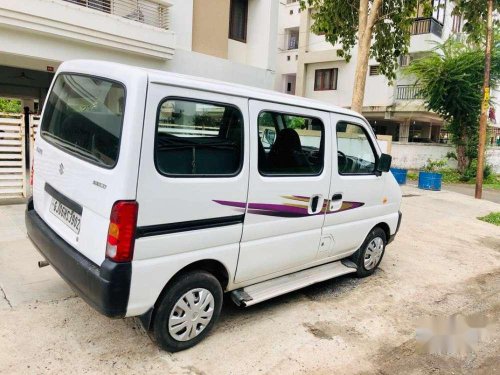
426, 131
404, 131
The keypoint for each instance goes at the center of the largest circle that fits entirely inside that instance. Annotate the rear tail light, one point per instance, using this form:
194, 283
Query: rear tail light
121, 232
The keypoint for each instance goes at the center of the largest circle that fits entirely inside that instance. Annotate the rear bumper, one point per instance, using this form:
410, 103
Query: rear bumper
393, 236
105, 288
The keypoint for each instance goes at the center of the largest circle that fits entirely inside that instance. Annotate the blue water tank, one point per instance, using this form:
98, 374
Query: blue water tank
429, 181
400, 175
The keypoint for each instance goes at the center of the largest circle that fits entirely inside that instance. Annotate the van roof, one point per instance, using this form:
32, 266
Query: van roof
204, 84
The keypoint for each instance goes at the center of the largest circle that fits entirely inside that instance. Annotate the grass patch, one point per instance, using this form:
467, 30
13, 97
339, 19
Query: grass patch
492, 218
492, 182
450, 176
412, 175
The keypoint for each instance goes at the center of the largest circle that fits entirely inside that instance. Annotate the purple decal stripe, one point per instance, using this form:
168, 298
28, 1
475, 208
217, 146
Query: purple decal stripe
287, 209
278, 208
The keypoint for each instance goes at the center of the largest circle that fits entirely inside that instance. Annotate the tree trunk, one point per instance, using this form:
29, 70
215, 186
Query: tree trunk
358, 92
365, 31
461, 159
461, 153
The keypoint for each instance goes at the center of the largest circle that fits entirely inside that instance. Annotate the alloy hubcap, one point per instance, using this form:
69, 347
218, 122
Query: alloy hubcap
373, 253
191, 314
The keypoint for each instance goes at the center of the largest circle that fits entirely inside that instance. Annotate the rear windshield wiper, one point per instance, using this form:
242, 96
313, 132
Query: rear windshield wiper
72, 147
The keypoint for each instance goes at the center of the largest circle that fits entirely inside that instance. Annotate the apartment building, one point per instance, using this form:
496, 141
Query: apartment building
308, 66
232, 40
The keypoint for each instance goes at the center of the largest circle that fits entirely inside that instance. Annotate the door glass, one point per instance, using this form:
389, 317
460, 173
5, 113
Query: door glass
290, 144
196, 138
355, 151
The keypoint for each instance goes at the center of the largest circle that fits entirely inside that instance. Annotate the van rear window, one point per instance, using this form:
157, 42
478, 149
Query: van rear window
84, 116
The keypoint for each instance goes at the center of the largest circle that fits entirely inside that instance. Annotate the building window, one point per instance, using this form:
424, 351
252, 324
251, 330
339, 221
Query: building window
290, 144
404, 60
296, 57
288, 58
439, 10
198, 138
238, 20
325, 79
291, 11
293, 39
374, 70
289, 86
457, 23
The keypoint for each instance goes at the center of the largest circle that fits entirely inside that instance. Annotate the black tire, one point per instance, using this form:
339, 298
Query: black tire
359, 256
177, 289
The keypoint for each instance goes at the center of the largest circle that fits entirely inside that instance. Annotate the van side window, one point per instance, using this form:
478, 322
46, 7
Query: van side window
355, 152
290, 144
196, 138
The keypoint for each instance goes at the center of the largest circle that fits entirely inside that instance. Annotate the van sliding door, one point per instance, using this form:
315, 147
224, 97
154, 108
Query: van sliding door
290, 168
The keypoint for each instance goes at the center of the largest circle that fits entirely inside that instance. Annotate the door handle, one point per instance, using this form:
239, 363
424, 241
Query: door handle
315, 204
337, 197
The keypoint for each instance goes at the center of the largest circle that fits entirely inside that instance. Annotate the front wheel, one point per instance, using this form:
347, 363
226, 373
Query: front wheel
370, 254
188, 311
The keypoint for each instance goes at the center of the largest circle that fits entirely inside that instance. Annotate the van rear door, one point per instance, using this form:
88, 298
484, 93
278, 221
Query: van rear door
87, 153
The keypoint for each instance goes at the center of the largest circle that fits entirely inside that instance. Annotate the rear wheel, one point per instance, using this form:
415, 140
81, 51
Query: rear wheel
370, 254
188, 311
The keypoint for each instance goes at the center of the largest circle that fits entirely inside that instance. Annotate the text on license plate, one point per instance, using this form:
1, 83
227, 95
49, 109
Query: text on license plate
66, 215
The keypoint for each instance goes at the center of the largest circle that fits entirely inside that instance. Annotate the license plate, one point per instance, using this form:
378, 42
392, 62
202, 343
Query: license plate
66, 215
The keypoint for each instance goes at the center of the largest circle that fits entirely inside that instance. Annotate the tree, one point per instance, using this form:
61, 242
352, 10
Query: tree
479, 16
381, 28
450, 78
10, 105
475, 14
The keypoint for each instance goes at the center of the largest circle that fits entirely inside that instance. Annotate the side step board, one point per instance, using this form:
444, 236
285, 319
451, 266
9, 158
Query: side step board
265, 290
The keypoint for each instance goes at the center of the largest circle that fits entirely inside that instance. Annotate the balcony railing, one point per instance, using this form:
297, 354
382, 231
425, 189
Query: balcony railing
426, 26
408, 92
150, 12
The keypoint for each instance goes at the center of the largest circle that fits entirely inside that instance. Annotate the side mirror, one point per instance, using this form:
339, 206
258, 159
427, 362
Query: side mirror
384, 163
270, 135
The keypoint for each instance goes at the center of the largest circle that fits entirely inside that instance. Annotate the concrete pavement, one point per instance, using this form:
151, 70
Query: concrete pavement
443, 261
468, 189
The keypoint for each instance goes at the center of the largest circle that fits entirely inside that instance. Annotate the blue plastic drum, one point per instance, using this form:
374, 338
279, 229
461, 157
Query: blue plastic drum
400, 175
429, 181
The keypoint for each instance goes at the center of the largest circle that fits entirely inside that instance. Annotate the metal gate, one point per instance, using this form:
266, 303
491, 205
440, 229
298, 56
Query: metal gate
13, 182
34, 124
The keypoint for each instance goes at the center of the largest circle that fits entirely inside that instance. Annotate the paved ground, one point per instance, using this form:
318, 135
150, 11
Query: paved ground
443, 262
467, 189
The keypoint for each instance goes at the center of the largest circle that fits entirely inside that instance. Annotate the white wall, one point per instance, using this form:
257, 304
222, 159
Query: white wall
261, 44
181, 16
493, 158
198, 64
415, 155
377, 91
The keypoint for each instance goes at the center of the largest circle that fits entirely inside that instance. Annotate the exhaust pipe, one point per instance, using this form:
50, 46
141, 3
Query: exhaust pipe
43, 263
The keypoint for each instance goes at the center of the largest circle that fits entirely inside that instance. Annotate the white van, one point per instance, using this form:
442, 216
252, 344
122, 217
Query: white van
155, 193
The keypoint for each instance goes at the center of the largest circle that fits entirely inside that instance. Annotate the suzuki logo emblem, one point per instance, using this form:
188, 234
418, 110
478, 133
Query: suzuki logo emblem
61, 168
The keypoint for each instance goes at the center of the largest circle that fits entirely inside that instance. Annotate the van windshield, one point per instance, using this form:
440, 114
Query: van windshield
84, 116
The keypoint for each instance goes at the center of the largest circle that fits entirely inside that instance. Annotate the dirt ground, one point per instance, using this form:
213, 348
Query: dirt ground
444, 261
